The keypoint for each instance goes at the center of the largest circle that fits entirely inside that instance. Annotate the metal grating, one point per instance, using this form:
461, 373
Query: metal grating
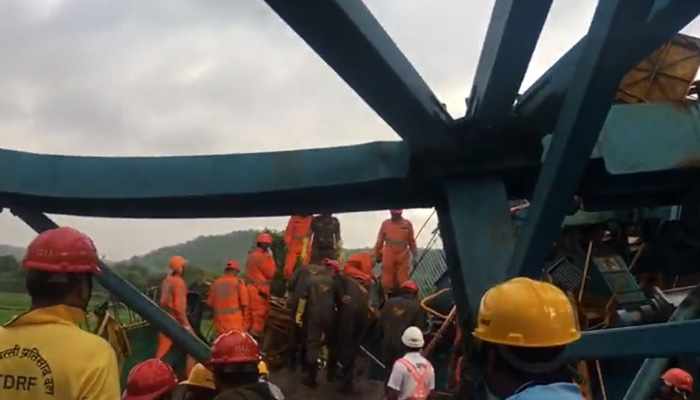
565, 274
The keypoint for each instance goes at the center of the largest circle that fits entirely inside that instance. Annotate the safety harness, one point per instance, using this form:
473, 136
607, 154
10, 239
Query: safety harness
421, 391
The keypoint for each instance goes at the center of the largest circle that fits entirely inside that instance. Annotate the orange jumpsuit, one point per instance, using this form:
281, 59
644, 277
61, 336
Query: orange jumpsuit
228, 298
173, 299
260, 270
297, 230
394, 241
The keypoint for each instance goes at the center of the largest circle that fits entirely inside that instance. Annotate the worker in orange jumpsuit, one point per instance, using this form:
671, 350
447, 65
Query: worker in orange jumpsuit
296, 237
173, 299
150, 380
394, 242
229, 301
260, 270
360, 264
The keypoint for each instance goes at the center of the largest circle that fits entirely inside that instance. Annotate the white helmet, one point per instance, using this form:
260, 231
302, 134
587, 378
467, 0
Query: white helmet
413, 337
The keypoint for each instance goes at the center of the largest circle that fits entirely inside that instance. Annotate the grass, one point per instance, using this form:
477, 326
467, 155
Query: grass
13, 304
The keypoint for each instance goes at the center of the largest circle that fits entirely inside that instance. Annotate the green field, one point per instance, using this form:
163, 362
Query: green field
13, 304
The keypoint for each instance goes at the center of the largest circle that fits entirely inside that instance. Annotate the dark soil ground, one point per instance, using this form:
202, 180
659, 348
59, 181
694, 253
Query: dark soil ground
293, 389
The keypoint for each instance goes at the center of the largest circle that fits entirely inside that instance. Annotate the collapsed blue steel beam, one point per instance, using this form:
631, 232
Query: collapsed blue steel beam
130, 296
644, 383
585, 110
510, 41
540, 106
670, 339
478, 235
351, 41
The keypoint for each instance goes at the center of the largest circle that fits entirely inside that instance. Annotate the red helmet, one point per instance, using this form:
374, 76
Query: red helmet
409, 285
264, 238
233, 264
328, 262
396, 211
234, 347
149, 380
62, 250
679, 379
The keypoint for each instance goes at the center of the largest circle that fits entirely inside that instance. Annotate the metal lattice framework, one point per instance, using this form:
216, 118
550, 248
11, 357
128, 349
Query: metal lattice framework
468, 168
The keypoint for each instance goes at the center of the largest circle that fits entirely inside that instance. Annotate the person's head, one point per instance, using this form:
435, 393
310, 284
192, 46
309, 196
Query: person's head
234, 360
408, 289
677, 385
199, 385
176, 265
523, 328
60, 264
412, 339
263, 241
332, 266
232, 268
150, 380
395, 214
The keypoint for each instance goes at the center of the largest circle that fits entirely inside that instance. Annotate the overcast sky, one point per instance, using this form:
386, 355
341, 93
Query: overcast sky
177, 77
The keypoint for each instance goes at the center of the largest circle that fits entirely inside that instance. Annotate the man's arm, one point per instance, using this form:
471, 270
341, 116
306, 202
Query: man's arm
395, 382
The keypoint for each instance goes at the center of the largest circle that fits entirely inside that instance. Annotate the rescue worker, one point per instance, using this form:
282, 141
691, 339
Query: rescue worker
395, 316
173, 299
316, 311
412, 376
296, 237
234, 362
265, 378
353, 312
149, 380
297, 339
199, 384
523, 328
394, 243
229, 301
325, 238
43, 353
677, 385
361, 263
260, 270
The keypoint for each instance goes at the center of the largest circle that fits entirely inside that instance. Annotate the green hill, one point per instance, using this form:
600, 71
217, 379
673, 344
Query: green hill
7, 250
207, 252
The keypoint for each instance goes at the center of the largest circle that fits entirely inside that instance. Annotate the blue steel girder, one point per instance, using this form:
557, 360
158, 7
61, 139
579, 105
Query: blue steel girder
540, 106
352, 42
510, 41
478, 237
669, 339
130, 296
583, 115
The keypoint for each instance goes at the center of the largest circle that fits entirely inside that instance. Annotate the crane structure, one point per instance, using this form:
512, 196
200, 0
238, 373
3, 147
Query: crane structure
562, 138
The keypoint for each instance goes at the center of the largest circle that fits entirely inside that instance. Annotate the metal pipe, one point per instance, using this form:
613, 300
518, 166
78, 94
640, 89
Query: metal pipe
130, 296
647, 378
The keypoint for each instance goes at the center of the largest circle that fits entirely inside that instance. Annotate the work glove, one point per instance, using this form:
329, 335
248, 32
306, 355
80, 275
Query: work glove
300, 312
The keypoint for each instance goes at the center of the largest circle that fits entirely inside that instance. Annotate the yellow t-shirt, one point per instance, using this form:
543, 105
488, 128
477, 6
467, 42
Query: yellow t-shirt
45, 355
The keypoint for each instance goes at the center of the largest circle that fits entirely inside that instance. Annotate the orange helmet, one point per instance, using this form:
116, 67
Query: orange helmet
234, 347
62, 250
409, 285
149, 380
678, 379
396, 211
264, 238
233, 264
176, 264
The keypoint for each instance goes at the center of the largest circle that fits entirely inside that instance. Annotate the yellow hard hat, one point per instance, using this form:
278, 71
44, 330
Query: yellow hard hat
526, 313
262, 368
200, 377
